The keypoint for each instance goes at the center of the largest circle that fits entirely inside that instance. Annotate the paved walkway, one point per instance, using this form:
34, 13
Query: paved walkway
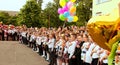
13, 53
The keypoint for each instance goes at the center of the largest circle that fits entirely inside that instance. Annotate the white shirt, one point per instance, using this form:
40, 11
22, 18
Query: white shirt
84, 49
44, 40
102, 55
66, 47
88, 57
59, 44
9, 31
51, 43
37, 40
27, 36
32, 38
23, 34
13, 31
96, 54
71, 48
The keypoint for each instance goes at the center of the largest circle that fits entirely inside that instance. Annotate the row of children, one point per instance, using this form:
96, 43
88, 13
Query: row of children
64, 46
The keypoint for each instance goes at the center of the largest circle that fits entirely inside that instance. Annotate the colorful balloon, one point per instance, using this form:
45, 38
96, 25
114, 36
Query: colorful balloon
70, 19
66, 0
68, 11
60, 11
66, 14
72, 9
72, 0
65, 8
69, 4
75, 18
61, 17
62, 3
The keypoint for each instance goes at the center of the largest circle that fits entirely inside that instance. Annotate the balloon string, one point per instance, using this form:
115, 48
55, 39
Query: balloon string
64, 24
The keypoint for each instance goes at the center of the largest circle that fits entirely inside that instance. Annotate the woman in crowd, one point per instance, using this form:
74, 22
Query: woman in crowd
45, 39
95, 54
65, 52
103, 57
71, 49
88, 57
84, 48
60, 48
50, 44
77, 52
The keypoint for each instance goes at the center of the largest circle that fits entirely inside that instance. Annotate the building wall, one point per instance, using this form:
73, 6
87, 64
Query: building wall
104, 8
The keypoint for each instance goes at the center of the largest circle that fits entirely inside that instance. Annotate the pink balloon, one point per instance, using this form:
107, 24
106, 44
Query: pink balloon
69, 4
65, 8
60, 11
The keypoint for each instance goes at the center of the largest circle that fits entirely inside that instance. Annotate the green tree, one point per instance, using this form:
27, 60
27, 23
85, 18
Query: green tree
4, 17
84, 11
13, 20
51, 15
30, 14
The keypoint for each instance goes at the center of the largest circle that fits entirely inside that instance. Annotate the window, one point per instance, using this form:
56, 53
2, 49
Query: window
101, 1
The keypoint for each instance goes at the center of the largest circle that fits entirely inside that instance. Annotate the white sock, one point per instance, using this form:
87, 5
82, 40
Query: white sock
63, 63
37, 49
57, 62
66, 63
43, 53
47, 56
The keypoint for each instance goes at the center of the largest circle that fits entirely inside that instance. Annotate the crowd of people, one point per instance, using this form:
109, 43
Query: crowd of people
9, 33
65, 46
61, 46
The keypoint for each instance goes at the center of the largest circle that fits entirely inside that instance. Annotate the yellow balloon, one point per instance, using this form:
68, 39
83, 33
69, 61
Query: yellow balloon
72, 9
103, 31
62, 3
72, 0
75, 18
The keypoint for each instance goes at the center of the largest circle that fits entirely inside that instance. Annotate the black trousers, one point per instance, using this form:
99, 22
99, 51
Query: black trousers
95, 61
24, 39
18, 37
30, 44
3, 38
53, 60
14, 36
78, 60
34, 45
104, 63
40, 48
87, 63
72, 61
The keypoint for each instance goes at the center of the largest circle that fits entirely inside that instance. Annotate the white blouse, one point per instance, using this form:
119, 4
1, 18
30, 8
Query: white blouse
51, 43
96, 54
71, 48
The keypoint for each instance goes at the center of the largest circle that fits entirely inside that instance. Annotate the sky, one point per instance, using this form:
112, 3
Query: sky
15, 5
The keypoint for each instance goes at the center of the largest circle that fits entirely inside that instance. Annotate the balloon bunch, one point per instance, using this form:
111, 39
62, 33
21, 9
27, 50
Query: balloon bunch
68, 10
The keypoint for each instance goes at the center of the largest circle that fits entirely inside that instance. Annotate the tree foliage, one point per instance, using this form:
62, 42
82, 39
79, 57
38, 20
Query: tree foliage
50, 14
4, 17
7, 19
30, 14
84, 11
